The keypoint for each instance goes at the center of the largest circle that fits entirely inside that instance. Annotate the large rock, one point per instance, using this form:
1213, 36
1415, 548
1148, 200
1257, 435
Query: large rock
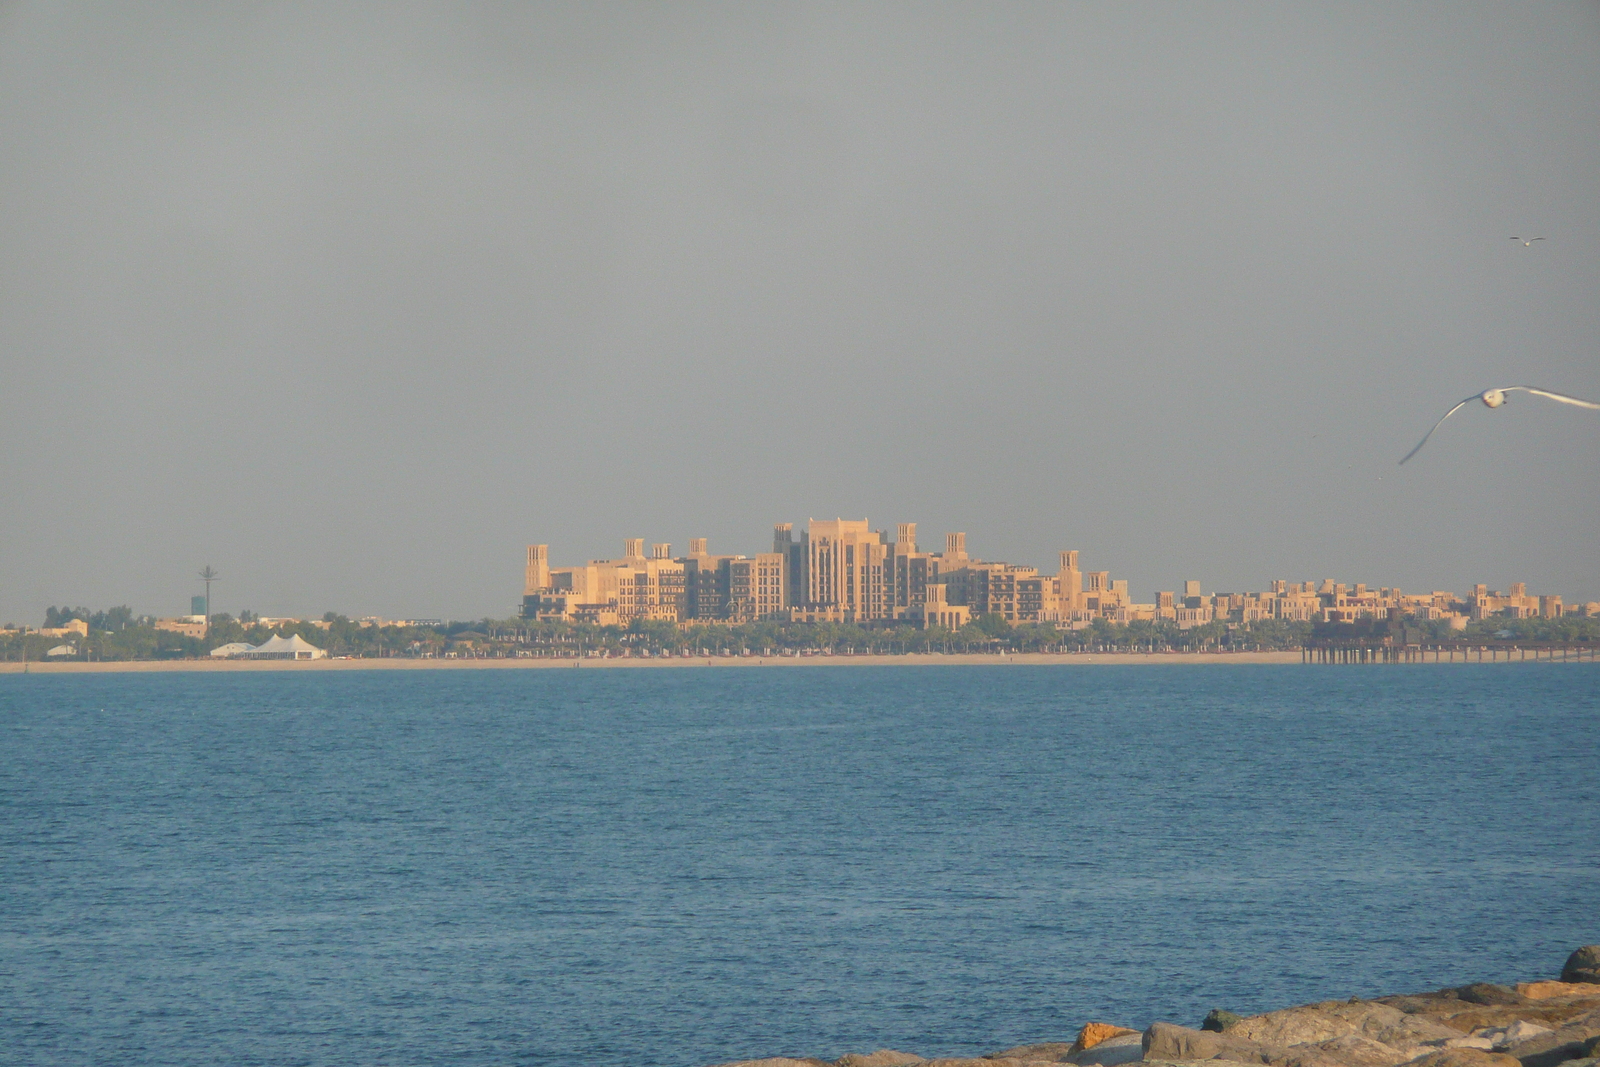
1498, 1038
1520, 1031
884, 1057
1093, 1034
1464, 1057
1560, 1054
1049, 1051
1553, 1013
1575, 1039
1583, 965
1124, 1048
1489, 993
1314, 1023
1552, 990
1359, 1050
1442, 1002
1164, 1041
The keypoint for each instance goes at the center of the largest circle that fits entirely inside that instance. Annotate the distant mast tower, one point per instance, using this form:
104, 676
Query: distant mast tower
208, 575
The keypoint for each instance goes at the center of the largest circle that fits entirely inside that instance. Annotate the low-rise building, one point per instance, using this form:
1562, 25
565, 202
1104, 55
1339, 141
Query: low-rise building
74, 627
187, 625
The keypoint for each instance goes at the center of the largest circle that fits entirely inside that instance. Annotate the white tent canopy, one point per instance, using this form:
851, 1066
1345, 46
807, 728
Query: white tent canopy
235, 648
292, 647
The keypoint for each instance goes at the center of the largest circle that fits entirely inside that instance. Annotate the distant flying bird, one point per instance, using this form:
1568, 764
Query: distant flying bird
1528, 240
1493, 398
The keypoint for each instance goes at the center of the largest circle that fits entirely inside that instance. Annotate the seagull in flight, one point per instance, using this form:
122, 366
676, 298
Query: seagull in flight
1526, 241
1493, 398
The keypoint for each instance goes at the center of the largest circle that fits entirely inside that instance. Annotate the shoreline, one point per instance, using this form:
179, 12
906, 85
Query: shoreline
1069, 659
1029, 659
1538, 1023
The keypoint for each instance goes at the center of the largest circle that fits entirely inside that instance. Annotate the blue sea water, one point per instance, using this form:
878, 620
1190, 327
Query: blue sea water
679, 867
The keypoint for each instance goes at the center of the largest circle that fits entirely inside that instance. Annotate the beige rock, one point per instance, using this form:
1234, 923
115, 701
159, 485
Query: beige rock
1124, 1048
1363, 1051
1093, 1034
1576, 1038
1489, 993
1048, 1051
1464, 1057
884, 1057
1520, 1031
778, 1061
1547, 990
1314, 1023
1431, 1004
1164, 1041
1554, 1012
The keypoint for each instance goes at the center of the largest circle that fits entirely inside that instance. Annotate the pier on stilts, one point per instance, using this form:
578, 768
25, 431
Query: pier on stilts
1446, 652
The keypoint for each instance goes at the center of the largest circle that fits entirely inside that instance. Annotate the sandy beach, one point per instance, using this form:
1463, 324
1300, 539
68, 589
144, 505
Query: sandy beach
1031, 659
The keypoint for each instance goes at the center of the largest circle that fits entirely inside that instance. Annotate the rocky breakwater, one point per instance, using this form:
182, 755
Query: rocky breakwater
1532, 1024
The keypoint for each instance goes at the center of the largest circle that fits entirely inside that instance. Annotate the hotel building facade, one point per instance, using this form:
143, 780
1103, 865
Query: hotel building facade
832, 570
842, 570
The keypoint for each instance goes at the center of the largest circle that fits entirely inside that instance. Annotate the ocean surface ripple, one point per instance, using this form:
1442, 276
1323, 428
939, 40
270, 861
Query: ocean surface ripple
679, 867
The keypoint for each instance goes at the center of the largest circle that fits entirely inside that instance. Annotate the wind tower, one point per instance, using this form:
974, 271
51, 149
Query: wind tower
537, 574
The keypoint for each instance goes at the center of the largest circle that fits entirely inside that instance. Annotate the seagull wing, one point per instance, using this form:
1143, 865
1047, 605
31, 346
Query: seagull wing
1446, 415
1533, 239
1560, 398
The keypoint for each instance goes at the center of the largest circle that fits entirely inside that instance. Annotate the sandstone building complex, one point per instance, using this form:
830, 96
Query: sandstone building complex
837, 570
842, 570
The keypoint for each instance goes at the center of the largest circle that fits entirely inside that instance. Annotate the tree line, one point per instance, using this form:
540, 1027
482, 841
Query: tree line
117, 634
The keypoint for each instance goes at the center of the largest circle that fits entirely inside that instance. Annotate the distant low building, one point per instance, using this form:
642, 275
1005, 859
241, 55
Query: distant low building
188, 625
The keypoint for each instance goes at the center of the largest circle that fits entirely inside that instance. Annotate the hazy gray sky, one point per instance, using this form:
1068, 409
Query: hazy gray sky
352, 303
